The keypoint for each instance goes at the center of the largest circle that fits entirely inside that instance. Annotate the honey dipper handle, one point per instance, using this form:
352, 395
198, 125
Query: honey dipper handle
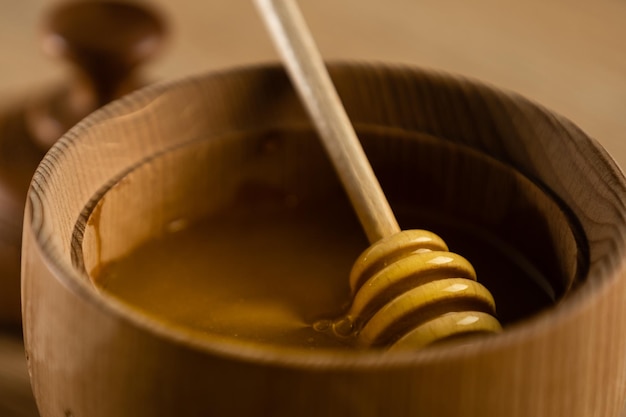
308, 72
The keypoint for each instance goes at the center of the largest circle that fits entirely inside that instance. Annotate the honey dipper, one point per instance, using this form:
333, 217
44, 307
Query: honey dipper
408, 289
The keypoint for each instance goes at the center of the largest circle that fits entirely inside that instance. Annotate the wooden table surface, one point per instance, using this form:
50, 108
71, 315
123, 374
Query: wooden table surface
565, 54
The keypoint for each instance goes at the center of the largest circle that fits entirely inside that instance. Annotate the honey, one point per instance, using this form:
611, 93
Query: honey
271, 272
264, 276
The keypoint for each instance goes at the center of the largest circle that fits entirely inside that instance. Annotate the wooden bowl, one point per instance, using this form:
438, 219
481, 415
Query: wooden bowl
511, 181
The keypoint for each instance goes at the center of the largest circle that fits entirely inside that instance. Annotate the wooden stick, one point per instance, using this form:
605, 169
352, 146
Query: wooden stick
308, 72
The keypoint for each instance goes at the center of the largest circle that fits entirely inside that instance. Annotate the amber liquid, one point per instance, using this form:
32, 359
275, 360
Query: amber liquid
267, 273
263, 274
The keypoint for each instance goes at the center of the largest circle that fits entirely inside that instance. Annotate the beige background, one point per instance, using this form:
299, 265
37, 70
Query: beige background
566, 54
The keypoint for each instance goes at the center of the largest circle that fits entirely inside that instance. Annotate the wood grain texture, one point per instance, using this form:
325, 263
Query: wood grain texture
566, 361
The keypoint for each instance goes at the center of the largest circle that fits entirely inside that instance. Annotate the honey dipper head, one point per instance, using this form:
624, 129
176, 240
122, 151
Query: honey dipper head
410, 291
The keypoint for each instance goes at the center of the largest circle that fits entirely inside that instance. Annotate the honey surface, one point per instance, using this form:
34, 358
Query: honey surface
265, 273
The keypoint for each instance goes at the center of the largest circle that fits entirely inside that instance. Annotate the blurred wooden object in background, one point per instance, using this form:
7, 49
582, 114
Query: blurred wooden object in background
104, 42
